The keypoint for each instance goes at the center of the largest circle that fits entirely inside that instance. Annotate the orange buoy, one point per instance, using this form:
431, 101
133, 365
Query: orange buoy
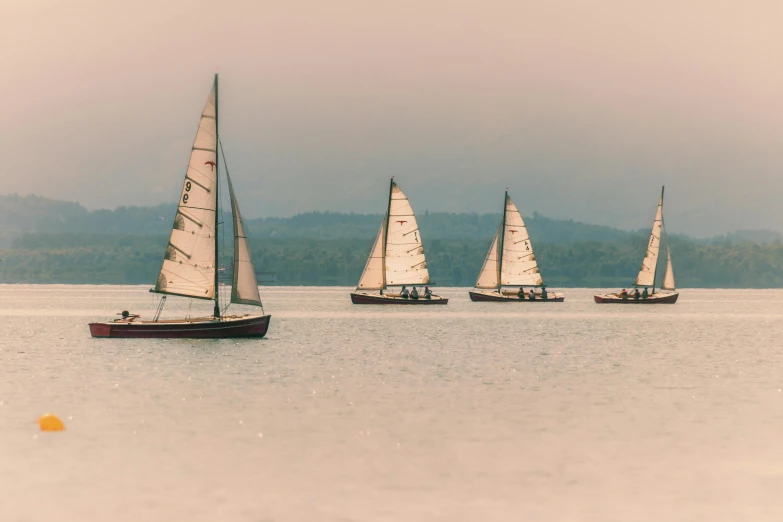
50, 422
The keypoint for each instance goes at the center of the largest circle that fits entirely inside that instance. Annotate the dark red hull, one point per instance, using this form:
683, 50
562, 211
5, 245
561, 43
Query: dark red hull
482, 297
664, 299
386, 300
255, 326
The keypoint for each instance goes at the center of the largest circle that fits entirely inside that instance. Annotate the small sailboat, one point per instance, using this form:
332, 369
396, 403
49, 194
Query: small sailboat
647, 273
190, 264
396, 259
510, 262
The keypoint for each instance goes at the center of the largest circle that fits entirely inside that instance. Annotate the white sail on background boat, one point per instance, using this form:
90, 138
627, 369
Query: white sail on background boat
373, 276
668, 278
649, 268
489, 277
189, 267
510, 260
404, 261
518, 263
646, 275
396, 258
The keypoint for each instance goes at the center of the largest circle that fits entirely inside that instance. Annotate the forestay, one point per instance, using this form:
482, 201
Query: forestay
189, 263
372, 277
519, 266
647, 272
244, 289
404, 256
668, 278
489, 277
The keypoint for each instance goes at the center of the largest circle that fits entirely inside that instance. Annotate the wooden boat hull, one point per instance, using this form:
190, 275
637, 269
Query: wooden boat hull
360, 298
228, 328
653, 299
494, 297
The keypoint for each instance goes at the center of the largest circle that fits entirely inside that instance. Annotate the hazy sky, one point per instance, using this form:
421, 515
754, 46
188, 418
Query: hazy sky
582, 108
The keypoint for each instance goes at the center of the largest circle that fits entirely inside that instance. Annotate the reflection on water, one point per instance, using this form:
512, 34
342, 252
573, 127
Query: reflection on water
472, 411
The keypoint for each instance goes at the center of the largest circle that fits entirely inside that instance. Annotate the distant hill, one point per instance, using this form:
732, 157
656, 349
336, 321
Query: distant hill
751, 236
433, 225
33, 214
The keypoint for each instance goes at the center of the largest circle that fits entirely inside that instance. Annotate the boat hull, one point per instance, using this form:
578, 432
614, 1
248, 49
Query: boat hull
494, 297
653, 299
359, 298
229, 328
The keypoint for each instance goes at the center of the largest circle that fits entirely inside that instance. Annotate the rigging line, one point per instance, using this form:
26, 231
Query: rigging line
195, 208
195, 169
198, 285
195, 182
226, 297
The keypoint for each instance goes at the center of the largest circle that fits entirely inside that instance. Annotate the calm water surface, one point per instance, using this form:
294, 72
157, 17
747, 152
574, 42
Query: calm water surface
469, 412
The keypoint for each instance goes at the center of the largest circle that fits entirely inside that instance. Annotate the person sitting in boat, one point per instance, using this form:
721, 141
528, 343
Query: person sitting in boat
521, 294
404, 293
414, 293
645, 294
127, 317
427, 293
636, 294
624, 295
532, 294
544, 294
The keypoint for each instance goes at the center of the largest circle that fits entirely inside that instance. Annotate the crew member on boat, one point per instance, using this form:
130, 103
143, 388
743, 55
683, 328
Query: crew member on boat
521, 293
404, 293
427, 293
624, 295
636, 294
127, 317
544, 293
645, 294
414, 293
532, 294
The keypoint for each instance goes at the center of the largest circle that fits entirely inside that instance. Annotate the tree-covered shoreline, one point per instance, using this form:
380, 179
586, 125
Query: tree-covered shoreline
126, 259
45, 241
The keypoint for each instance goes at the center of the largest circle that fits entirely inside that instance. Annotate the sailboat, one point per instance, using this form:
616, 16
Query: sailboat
190, 263
648, 271
510, 262
396, 258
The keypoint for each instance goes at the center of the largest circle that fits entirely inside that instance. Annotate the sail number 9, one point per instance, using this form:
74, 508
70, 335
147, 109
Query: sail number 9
187, 189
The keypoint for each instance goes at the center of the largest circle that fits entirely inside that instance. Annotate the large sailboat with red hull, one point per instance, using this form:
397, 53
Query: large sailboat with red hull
666, 294
510, 262
190, 263
396, 259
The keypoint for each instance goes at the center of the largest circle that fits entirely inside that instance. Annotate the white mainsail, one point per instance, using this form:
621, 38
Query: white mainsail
668, 278
650, 262
489, 277
404, 256
189, 263
519, 266
244, 289
372, 277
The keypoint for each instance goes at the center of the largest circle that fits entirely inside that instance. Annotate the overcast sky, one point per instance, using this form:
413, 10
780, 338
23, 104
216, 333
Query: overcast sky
583, 109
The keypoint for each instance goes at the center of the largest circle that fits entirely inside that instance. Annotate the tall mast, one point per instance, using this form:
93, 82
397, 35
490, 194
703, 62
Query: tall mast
655, 271
386, 230
500, 242
217, 201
